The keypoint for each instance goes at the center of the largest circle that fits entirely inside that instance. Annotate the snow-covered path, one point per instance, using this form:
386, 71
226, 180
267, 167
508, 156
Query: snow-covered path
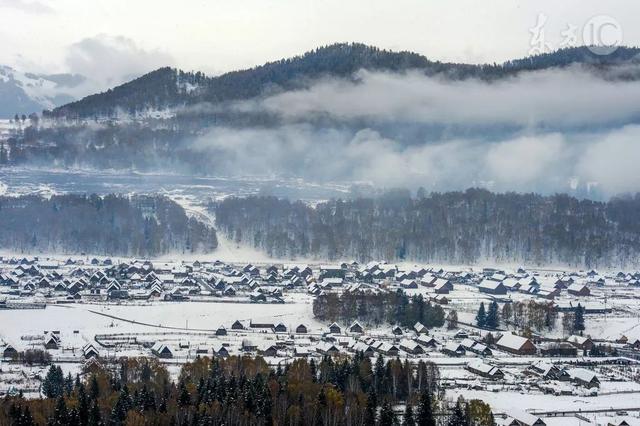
227, 250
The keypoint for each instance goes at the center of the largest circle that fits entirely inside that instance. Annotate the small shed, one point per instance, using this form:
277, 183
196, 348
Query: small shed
356, 328
335, 329
162, 350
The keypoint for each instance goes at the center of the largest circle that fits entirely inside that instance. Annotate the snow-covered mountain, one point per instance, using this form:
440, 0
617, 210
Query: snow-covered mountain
24, 92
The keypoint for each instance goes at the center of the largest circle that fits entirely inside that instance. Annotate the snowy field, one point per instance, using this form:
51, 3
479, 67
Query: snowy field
506, 402
189, 316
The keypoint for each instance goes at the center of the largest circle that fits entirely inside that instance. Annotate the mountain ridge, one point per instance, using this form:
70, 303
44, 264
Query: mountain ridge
26, 92
171, 87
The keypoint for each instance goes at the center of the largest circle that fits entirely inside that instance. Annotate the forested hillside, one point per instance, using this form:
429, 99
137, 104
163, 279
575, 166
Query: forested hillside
111, 225
246, 391
352, 99
455, 227
126, 146
167, 87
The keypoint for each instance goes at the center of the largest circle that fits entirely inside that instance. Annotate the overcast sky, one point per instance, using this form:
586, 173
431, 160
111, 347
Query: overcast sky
133, 36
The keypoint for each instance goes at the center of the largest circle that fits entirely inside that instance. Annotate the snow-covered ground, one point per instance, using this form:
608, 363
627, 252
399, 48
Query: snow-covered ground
86, 318
6, 128
508, 401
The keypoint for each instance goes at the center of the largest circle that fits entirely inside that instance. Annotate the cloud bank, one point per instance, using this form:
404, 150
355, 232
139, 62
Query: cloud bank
570, 97
550, 131
26, 6
595, 165
107, 61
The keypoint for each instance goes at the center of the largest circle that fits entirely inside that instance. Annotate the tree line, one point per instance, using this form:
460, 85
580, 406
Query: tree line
530, 315
453, 227
109, 225
246, 391
368, 308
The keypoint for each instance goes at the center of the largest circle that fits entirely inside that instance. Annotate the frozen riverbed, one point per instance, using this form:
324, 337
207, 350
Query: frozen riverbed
18, 181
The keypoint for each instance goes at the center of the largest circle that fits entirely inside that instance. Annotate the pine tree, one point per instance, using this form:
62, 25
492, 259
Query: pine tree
83, 405
184, 399
493, 318
4, 156
14, 413
94, 389
459, 417
408, 419
26, 418
425, 411
322, 398
379, 373
578, 321
68, 385
73, 418
267, 409
313, 368
371, 409
122, 406
60, 414
95, 419
386, 415
481, 317
53, 383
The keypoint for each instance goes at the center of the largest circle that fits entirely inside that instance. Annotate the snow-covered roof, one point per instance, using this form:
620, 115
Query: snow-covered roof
409, 344
512, 341
490, 284
576, 287
523, 417
480, 366
452, 347
511, 283
360, 347
441, 282
578, 340
467, 343
582, 374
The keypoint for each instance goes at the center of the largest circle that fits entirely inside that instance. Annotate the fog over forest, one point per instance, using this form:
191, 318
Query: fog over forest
353, 113
541, 131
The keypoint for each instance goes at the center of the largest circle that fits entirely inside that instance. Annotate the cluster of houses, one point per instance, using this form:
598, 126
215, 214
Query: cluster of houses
439, 283
105, 279
499, 284
547, 371
374, 277
577, 284
74, 279
49, 341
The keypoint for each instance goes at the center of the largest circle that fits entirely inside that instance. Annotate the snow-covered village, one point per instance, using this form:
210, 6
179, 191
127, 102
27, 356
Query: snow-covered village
319, 213
565, 344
